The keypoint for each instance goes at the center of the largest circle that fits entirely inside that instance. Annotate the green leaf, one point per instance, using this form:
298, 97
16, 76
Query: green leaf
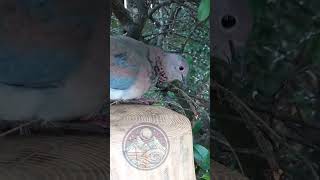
189, 60
206, 176
197, 126
202, 156
170, 94
203, 10
312, 50
157, 104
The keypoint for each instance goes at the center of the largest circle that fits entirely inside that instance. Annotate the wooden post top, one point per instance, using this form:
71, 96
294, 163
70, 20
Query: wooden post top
170, 121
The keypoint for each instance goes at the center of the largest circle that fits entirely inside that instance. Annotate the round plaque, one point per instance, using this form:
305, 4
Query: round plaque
145, 146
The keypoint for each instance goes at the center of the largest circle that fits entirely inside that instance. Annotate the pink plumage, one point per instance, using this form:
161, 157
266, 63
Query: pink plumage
135, 67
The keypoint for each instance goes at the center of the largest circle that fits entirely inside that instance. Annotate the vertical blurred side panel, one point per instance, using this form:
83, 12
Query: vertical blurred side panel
76, 149
230, 26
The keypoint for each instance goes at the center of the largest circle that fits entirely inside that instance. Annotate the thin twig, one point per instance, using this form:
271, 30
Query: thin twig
225, 142
16, 128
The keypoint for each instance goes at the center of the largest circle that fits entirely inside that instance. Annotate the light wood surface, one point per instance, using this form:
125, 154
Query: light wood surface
179, 163
54, 158
86, 156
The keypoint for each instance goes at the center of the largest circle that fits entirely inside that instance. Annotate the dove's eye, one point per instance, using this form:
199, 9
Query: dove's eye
181, 68
228, 21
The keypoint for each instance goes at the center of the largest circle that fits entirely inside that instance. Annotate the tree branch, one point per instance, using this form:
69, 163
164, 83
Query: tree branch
122, 15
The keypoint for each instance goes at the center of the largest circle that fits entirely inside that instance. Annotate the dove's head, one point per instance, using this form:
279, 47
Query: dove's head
175, 67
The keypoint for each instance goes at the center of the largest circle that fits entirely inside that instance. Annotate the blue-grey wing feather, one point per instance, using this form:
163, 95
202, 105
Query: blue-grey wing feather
120, 68
37, 68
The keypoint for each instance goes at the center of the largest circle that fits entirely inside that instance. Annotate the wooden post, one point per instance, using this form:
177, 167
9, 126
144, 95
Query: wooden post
68, 157
150, 143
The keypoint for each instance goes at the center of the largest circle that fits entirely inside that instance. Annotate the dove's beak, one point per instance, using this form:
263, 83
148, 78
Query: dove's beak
184, 81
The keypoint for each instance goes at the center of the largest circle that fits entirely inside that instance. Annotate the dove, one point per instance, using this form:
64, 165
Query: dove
231, 23
135, 67
53, 59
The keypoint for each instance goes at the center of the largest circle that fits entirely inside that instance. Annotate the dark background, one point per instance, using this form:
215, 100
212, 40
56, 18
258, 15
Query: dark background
265, 97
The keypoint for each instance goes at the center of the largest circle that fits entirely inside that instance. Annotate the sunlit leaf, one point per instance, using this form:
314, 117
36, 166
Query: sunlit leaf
202, 156
204, 10
197, 126
206, 176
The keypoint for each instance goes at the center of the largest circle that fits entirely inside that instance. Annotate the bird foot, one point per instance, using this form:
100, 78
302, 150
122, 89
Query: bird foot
141, 101
103, 124
25, 131
114, 102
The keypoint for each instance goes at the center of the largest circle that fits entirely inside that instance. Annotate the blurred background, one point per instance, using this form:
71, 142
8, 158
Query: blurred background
266, 91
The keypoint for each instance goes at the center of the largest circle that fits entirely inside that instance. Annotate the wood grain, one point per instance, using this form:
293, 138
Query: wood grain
54, 158
179, 164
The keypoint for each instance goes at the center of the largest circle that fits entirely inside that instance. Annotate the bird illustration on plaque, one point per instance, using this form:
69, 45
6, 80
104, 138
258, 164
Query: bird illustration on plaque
145, 146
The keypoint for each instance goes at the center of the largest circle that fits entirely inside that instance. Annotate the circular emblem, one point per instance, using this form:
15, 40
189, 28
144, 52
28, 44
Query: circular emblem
145, 146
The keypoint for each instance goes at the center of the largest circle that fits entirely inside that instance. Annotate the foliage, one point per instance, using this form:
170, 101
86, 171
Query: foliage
270, 94
204, 10
173, 26
202, 157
